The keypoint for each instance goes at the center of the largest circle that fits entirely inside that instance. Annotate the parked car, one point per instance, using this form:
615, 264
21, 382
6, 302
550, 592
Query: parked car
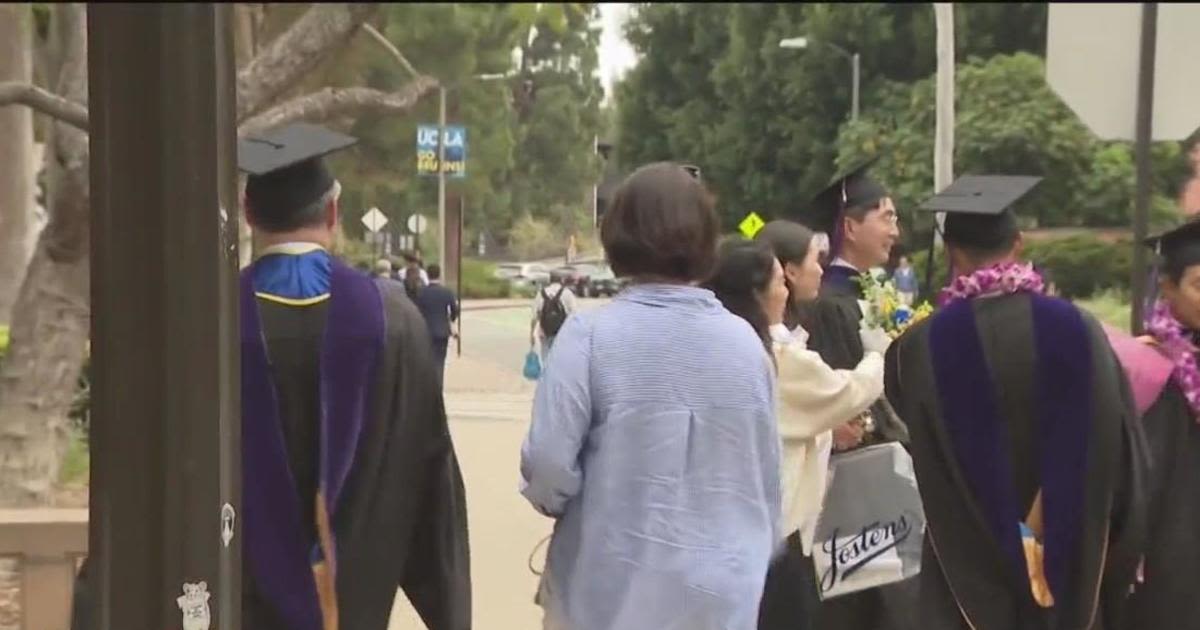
591, 280
603, 282
524, 274
575, 277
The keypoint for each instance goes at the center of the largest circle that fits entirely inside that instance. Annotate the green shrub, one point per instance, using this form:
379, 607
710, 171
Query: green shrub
3, 341
532, 238
1083, 265
480, 282
1080, 266
929, 290
1111, 307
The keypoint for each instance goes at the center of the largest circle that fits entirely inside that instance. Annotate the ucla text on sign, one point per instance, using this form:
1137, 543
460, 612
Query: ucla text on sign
455, 147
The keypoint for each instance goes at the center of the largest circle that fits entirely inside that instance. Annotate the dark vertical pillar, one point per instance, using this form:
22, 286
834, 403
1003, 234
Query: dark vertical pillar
1143, 133
165, 450
454, 221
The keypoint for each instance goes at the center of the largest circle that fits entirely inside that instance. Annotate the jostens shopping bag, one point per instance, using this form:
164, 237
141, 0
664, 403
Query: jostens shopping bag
872, 524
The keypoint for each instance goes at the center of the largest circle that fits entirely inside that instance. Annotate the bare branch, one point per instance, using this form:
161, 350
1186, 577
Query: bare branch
321, 30
332, 102
39, 100
395, 52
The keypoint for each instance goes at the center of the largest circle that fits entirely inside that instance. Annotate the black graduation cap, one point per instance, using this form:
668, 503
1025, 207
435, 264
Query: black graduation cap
286, 172
1179, 247
979, 208
851, 188
848, 189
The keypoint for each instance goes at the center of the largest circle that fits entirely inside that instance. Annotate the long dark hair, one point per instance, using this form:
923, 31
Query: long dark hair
412, 282
744, 270
790, 241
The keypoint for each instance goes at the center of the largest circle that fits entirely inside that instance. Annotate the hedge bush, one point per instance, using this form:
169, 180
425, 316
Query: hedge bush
479, 281
1081, 266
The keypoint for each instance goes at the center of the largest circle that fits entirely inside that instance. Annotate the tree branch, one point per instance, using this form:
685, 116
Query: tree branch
395, 52
321, 30
331, 102
39, 100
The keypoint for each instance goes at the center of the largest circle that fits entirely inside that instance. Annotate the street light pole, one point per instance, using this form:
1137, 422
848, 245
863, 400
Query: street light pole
802, 43
441, 175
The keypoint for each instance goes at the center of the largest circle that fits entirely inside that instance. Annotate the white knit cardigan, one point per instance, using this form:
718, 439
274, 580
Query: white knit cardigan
813, 399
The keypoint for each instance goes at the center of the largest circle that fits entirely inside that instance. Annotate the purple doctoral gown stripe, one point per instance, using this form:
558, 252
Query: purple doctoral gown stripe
275, 547
972, 419
1063, 407
1063, 403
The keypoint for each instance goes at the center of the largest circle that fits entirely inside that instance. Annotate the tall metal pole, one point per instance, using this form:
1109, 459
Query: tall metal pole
442, 177
943, 152
165, 507
1144, 129
854, 70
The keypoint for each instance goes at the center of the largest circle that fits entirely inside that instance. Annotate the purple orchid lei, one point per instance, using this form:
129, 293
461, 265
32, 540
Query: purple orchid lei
1173, 340
999, 279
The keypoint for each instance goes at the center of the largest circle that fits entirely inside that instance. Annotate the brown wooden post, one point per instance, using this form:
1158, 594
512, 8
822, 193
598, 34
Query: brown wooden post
165, 441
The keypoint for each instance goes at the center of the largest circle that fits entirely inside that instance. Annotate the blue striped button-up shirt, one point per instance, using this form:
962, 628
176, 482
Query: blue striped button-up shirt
654, 445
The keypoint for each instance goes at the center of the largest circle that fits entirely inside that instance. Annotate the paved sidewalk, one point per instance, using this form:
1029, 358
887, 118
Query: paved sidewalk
488, 402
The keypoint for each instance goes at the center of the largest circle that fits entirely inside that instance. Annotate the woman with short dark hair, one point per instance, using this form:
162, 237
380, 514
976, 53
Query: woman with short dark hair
813, 399
653, 442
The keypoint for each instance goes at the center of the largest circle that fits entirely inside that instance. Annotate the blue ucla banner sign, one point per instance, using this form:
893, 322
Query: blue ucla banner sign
455, 141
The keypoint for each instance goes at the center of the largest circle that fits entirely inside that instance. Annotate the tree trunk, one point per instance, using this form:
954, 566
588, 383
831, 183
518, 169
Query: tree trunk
16, 152
50, 327
247, 20
50, 323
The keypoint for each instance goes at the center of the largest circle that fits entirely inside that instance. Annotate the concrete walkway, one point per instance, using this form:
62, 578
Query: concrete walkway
488, 402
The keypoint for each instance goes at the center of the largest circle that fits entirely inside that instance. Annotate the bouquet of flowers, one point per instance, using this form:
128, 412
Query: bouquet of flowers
882, 307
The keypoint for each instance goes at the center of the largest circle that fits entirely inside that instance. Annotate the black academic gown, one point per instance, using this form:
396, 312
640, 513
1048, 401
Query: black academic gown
833, 322
404, 521
964, 575
1169, 596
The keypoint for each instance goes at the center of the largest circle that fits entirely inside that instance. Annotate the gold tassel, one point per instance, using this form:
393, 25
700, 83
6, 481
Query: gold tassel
1035, 556
325, 573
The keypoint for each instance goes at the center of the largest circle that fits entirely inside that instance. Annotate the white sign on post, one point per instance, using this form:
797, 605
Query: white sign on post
374, 220
417, 224
1092, 60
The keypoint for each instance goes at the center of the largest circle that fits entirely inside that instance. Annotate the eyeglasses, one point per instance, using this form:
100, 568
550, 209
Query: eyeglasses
694, 171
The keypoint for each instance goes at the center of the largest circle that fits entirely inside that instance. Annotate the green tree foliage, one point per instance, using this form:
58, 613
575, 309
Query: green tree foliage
1009, 121
559, 114
713, 87
528, 151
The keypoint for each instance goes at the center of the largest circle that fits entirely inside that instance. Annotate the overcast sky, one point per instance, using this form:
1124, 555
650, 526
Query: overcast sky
616, 56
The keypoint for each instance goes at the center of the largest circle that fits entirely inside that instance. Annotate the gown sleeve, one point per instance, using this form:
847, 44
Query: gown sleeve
437, 575
1129, 524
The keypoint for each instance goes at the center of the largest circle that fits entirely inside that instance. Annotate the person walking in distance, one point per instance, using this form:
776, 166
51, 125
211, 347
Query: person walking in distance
906, 281
439, 306
552, 306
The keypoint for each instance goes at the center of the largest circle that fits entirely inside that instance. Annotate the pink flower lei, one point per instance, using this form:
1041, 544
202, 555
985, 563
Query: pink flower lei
999, 279
1173, 340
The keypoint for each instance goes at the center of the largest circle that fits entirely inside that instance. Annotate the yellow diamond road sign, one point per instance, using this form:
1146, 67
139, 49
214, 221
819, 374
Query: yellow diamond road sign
751, 225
